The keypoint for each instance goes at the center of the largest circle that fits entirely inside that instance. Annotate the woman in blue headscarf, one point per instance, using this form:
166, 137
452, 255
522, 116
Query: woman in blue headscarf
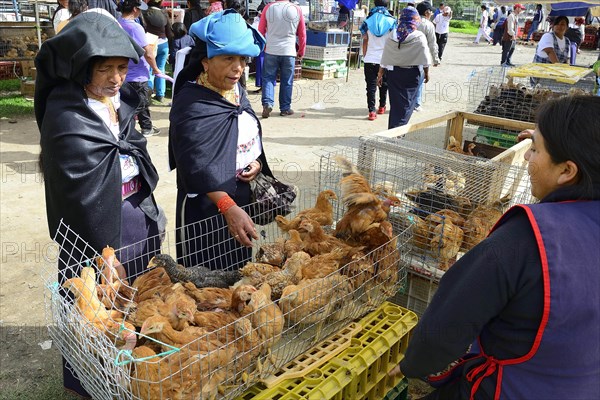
405, 57
215, 144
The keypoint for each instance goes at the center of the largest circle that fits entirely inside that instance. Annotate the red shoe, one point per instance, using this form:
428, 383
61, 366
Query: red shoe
381, 110
372, 116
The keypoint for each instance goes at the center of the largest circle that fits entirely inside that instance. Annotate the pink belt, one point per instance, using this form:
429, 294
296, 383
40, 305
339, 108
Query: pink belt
130, 187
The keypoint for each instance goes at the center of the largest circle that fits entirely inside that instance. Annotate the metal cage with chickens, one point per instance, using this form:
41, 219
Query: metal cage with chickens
135, 324
516, 93
448, 201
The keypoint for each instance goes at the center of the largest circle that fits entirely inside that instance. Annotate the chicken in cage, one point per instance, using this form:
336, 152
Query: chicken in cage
168, 331
494, 92
448, 200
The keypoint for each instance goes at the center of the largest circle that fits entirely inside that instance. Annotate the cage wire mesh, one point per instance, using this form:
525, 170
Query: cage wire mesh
492, 91
447, 202
90, 311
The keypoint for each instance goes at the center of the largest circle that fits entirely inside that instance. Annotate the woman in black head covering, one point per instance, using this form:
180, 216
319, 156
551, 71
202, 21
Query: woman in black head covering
98, 174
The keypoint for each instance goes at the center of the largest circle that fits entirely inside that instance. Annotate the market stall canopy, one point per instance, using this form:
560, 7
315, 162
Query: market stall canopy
565, 6
574, 9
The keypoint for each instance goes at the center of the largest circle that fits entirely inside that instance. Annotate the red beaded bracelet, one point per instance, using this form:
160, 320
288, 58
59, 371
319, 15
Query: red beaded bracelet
225, 203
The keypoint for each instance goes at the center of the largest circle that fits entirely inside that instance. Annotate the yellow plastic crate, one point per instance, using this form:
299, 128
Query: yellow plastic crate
360, 371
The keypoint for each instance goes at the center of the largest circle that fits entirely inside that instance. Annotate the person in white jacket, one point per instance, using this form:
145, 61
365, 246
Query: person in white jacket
483, 26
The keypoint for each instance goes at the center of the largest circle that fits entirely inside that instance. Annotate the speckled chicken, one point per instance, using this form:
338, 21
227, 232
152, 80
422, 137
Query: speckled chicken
272, 253
200, 276
445, 243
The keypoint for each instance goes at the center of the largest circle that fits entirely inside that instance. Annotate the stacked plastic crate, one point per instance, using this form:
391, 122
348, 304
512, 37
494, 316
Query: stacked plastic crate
352, 364
325, 56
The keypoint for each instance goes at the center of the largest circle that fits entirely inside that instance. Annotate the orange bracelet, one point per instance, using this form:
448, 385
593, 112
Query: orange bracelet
225, 203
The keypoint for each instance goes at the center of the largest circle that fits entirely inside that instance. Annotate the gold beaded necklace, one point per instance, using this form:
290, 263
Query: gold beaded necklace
230, 95
114, 118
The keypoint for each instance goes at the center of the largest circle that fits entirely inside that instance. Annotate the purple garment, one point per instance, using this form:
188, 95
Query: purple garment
408, 22
137, 72
564, 363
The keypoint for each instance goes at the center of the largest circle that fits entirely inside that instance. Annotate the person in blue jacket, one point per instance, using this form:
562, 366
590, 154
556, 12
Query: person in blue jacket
517, 315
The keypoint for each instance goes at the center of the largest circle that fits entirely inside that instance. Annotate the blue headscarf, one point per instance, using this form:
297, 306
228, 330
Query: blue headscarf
226, 33
379, 22
408, 22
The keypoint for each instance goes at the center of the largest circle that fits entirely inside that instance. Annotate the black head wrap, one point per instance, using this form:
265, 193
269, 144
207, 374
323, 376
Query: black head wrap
193, 66
66, 56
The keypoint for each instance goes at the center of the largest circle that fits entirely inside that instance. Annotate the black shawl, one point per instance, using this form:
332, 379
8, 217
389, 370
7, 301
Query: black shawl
203, 139
80, 155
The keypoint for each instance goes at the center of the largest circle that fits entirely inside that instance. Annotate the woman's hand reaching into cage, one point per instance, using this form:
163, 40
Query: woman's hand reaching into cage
240, 226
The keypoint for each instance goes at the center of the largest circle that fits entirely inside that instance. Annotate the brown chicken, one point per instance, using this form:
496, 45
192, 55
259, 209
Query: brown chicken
374, 237
455, 146
480, 222
115, 291
272, 253
233, 331
266, 318
361, 273
86, 296
247, 345
178, 308
313, 301
210, 299
93, 311
447, 215
182, 375
322, 212
316, 241
150, 284
159, 328
294, 244
445, 243
386, 259
146, 380
324, 264
364, 207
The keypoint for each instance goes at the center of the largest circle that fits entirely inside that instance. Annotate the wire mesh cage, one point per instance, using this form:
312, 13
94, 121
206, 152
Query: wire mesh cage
516, 94
139, 337
447, 201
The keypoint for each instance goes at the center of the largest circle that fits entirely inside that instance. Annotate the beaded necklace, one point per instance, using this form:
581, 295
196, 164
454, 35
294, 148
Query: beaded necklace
230, 95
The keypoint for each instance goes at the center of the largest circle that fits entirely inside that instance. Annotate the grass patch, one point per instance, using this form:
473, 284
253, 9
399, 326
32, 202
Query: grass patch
468, 27
13, 105
10, 85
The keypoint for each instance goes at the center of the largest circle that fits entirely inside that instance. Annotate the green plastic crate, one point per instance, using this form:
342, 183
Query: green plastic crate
341, 72
319, 65
497, 137
400, 392
360, 371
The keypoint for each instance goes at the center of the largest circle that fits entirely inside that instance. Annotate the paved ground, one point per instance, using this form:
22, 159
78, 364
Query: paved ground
328, 113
